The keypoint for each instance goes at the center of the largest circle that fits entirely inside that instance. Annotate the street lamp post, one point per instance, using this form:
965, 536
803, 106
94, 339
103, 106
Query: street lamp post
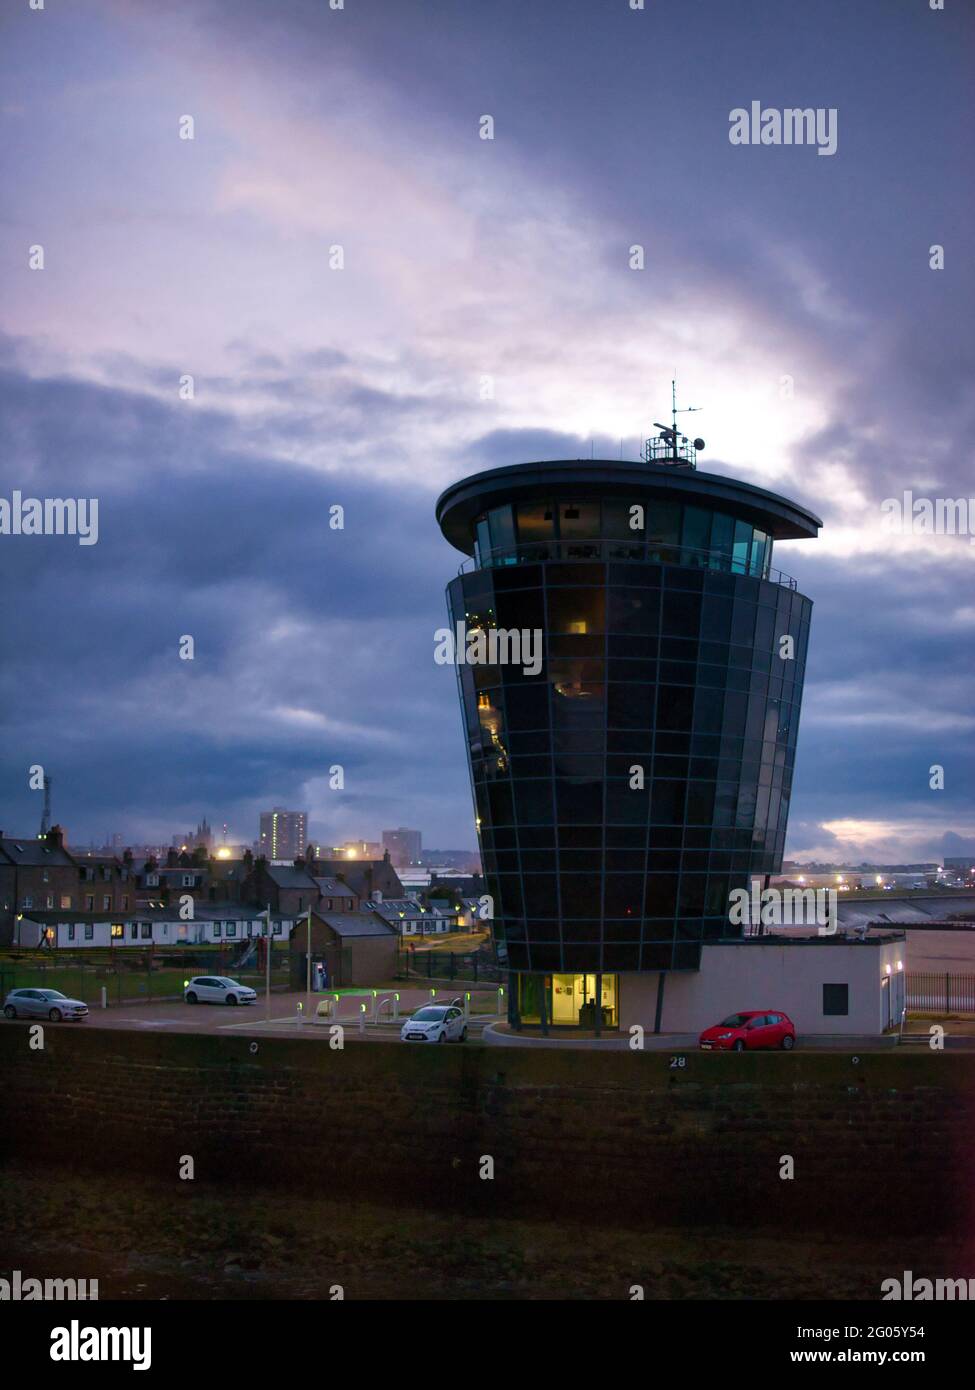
267, 970
308, 965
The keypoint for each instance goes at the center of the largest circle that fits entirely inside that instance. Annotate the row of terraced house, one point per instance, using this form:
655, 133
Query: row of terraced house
52, 897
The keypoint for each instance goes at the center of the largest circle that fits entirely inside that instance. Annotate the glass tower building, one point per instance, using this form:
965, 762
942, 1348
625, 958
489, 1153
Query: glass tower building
624, 788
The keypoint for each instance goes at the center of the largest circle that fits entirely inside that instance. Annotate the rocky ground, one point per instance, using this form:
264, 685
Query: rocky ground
148, 1240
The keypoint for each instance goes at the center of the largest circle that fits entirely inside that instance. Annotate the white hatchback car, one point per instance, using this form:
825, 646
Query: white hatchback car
435, 1023
217, 989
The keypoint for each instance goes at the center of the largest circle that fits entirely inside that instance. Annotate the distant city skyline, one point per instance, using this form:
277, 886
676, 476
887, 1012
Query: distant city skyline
117, 841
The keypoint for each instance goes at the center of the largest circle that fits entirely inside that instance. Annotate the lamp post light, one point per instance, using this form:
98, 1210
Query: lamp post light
308, 962
267, 970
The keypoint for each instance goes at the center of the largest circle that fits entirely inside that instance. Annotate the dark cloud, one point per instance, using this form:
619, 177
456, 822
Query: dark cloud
313, 646
286, 613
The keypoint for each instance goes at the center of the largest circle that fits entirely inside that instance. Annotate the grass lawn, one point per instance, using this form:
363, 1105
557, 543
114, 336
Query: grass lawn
450, 941
86, 983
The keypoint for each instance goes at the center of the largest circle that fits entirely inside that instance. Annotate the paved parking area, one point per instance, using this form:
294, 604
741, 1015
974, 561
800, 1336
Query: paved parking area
282, 1019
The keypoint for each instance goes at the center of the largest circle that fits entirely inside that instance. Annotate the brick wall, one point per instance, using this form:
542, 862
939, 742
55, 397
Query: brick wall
880, 1147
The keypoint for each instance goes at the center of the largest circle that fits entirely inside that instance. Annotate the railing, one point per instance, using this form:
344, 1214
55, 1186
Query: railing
680, 453
451, 965
934, 993
638, 551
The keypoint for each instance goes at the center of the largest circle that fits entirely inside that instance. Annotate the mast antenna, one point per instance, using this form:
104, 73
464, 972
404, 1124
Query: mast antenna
671, 446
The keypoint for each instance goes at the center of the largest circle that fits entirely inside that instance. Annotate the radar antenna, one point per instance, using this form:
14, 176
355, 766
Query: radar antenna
670, 446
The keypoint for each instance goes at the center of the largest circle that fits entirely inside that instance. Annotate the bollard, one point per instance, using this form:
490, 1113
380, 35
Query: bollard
362, 1018
301, 1013
467, 1006
396, 1008
104, 997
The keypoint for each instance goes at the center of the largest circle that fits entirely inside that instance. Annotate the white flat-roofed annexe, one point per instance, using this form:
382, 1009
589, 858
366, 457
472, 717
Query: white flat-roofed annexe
826, 984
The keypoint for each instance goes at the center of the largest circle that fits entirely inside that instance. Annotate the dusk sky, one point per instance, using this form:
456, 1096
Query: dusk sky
791, 292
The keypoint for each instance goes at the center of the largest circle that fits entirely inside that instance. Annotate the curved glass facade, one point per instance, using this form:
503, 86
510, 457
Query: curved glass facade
594, 529
638, 768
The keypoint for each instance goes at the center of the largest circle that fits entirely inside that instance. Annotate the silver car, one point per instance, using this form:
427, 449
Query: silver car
217, 989
43, 1003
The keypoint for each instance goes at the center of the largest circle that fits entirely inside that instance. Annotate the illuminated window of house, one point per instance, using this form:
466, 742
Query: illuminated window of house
118, 930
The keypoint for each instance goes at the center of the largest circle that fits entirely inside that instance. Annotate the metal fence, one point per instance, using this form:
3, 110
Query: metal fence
934, 993
129, 975
451, 965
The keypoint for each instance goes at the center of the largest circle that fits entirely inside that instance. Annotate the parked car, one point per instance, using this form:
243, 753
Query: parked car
751, 1029
43, 1003
217, 989
435, 1023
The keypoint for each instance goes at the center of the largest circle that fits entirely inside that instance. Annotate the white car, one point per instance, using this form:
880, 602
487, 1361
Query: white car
217, 989
435, 1023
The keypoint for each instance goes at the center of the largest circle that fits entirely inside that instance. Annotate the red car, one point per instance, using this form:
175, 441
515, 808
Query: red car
752, 1028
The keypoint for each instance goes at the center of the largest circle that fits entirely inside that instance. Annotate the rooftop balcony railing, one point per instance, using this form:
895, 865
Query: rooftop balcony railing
638, 551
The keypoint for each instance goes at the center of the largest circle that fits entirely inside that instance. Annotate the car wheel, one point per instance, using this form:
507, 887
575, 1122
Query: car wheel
788, 1042
55, 1015
463, 1035
739, 1046
9, 1011
231, 999
442, 1037
191, 998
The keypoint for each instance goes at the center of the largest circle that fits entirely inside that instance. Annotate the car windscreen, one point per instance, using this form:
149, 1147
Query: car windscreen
428, 1015
52, 994
735, 1021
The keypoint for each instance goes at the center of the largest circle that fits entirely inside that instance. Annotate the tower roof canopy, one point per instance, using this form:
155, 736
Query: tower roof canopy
460, 505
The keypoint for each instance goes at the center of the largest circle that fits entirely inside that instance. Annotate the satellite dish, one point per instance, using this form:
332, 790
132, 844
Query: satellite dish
699, 444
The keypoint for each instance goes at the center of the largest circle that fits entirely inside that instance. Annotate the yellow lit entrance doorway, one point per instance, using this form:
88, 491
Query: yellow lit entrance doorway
574, 1001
